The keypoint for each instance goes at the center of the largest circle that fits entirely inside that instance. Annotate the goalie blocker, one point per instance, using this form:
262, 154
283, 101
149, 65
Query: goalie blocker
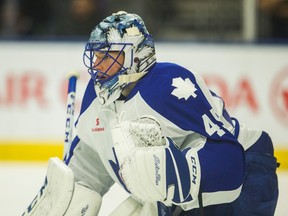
60, 195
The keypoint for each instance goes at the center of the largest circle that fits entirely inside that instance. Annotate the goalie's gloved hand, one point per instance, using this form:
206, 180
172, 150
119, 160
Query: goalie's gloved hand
155, 171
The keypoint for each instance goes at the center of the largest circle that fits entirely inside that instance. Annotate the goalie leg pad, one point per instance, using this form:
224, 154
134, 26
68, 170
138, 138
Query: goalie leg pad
131, 207
55, 195
60, 194
84, 202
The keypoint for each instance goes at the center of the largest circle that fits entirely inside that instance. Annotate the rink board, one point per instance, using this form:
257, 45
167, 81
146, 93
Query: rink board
43, 151
252, 79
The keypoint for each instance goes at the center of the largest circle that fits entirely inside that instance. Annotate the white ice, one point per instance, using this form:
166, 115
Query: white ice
20, 182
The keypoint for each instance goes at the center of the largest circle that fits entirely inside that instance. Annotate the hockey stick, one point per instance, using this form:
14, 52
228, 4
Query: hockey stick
72, 80
69, 124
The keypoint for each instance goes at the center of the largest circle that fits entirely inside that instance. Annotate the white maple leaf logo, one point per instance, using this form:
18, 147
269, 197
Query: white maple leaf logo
184, 88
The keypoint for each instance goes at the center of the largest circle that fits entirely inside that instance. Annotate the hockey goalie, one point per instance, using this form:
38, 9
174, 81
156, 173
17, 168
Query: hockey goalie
155, 129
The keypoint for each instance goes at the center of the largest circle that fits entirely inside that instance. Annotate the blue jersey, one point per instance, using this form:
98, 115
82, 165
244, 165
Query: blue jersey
189, 113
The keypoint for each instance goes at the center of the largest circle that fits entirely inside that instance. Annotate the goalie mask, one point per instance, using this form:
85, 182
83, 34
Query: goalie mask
126, 35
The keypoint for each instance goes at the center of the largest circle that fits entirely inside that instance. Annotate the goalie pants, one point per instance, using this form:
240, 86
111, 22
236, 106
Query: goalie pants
259, 193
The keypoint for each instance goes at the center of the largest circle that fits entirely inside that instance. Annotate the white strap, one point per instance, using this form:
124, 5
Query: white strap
128, 78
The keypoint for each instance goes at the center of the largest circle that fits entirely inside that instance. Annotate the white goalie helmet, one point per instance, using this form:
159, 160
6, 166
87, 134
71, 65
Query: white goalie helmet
125, 33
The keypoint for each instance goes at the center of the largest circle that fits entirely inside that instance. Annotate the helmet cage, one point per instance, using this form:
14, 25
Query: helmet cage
89, 59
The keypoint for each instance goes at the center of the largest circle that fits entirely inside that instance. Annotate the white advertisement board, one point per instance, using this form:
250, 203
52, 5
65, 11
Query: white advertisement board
252, 79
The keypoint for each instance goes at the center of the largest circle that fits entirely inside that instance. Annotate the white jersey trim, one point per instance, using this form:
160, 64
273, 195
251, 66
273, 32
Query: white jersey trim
214, 198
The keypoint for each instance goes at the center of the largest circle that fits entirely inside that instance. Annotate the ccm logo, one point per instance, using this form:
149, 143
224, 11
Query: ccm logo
194, 170
37, 199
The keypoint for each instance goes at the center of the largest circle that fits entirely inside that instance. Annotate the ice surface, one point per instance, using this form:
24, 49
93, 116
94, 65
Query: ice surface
20, 182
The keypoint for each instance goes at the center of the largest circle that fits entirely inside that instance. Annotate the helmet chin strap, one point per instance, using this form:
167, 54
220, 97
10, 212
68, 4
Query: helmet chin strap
128, 78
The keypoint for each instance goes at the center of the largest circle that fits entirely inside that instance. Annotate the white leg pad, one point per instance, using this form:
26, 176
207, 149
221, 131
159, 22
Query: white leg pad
131, 207
84, 202
60, 195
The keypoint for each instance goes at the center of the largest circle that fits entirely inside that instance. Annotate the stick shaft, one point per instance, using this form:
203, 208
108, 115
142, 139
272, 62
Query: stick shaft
69, 124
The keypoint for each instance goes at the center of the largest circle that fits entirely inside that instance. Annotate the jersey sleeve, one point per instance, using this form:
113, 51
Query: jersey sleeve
183, 98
